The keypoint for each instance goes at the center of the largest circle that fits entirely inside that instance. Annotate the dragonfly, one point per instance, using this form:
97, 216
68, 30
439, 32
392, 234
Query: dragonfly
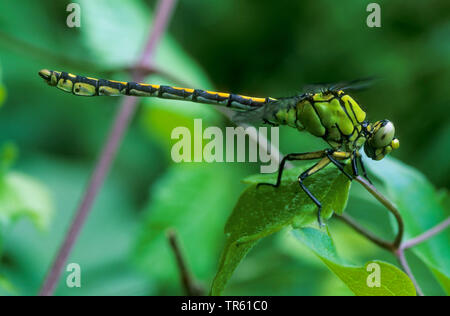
326, 112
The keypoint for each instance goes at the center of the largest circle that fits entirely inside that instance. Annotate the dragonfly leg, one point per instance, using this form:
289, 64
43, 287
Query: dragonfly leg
334, 156
317, 167
363, 169
327, 157
354, 164
292, 157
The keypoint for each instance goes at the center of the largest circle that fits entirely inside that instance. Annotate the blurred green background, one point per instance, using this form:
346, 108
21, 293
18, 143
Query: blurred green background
261, 48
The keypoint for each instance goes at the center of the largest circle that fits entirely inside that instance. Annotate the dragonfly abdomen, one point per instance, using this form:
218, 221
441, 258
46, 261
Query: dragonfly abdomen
86, 86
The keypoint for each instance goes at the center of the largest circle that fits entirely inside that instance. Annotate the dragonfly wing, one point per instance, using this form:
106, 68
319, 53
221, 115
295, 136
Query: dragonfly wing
261, 114
357, 84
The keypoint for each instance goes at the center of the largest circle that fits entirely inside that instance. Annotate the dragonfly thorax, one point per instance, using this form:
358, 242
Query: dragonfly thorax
334, 116
338, 119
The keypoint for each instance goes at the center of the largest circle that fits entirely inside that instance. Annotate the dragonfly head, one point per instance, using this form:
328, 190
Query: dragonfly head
380, 140
49, 76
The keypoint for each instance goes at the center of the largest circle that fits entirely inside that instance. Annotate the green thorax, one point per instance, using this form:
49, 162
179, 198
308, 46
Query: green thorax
333, 115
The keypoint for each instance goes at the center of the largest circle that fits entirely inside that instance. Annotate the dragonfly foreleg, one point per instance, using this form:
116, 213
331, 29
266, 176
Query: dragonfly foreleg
354, 164
327, 156
334, 156
292, 157
363, 169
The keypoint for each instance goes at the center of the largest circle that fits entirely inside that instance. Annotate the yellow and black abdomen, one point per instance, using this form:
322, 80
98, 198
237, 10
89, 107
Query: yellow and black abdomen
86, 86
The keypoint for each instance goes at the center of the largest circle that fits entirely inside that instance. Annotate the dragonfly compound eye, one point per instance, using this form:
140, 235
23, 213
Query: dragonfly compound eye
383, 134
382, 140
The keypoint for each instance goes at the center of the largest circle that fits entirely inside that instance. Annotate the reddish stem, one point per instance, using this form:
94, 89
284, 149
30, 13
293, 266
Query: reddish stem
108, 153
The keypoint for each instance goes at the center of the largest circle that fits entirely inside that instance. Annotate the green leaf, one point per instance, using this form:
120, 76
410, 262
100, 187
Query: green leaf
265, 210
116, 32
194, 199
393, 282
116, 38
6, 287
160, 118
22, 196
8, 155
2, 90
422, 208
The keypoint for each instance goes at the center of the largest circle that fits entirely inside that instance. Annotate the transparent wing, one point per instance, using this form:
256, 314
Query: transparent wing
357, 84
266, 112
261, 114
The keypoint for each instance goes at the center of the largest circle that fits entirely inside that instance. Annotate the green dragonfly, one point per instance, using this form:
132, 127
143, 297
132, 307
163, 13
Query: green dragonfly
328, 113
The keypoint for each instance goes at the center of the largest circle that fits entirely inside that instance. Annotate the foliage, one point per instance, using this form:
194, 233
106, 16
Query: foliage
122, 249
260, 212
393, 281
264, 210
193, 185
421, 209
21, 196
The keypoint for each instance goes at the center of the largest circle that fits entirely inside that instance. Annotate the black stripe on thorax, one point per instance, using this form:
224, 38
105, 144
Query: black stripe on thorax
353, 110
342, 133
313, 104
342, 104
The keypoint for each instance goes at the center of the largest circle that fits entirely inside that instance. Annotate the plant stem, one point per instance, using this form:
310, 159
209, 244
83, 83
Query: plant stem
120, 125
397, 247
191, 287
369, 235
383, 200
426, 235
400, 254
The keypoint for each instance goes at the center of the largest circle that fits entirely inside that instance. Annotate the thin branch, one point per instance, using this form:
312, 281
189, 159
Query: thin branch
400, 254
369, 235
191, 287
391, 207
120, 125
397, 247
426, 235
